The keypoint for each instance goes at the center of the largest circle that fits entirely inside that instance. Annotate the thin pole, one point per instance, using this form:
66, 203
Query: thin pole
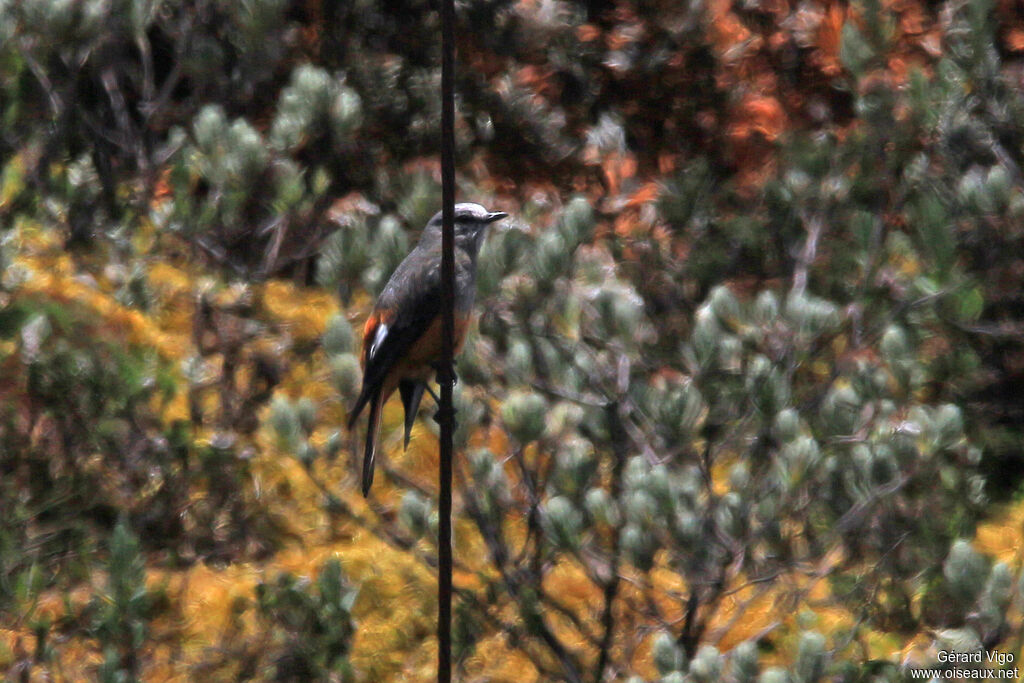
446, 375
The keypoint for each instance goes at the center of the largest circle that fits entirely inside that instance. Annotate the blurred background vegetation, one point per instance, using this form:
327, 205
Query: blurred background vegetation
744, 401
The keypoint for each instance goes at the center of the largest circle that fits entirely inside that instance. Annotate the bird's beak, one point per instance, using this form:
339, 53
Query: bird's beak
496, 216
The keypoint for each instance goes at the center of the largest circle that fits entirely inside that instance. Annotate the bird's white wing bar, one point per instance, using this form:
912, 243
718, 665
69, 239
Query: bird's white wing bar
378, 340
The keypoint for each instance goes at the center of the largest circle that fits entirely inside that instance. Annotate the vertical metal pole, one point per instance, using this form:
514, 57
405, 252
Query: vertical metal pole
446, 375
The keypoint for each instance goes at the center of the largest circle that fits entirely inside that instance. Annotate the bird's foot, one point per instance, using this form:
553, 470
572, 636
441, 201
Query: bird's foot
437, 370
437, 419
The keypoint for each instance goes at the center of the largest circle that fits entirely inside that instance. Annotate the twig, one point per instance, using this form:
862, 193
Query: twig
814, 225
611, 588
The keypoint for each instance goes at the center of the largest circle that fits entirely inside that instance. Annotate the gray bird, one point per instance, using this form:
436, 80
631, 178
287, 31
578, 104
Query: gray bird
402, 336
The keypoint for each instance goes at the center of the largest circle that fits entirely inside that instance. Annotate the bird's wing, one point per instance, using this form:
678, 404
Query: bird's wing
407, 306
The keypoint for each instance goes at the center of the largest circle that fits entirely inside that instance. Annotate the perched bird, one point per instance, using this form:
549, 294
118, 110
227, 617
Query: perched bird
402, 336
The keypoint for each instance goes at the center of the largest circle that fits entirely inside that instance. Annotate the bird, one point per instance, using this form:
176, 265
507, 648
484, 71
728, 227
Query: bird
402, 335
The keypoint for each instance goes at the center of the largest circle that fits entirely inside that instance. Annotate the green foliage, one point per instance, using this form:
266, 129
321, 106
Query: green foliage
345, 256
965, 572
415, 514
313, 100
524, 415
121, 615
563, 522
82, 446
237, 178
293, 422
743, 662
96, 397
339, 337
668, 656
811, 658
311, 624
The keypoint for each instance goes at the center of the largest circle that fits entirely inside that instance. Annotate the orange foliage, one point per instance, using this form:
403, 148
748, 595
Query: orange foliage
727, 31
588, 32
617, 168
757, 116
829, 39
539, 79
1015, 40
1000, 536
645, 195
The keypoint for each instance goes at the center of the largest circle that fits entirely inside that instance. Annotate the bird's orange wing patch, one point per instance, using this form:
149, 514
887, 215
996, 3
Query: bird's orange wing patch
372, 328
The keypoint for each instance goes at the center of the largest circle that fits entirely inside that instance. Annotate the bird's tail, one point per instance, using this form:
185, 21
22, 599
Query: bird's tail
372, 428
412, 392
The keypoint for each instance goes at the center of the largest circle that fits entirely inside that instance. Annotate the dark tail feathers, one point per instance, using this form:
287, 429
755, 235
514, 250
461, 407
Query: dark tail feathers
372, 427
412, 392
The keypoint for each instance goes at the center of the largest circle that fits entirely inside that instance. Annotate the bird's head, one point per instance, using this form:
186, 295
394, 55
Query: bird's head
471, 221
